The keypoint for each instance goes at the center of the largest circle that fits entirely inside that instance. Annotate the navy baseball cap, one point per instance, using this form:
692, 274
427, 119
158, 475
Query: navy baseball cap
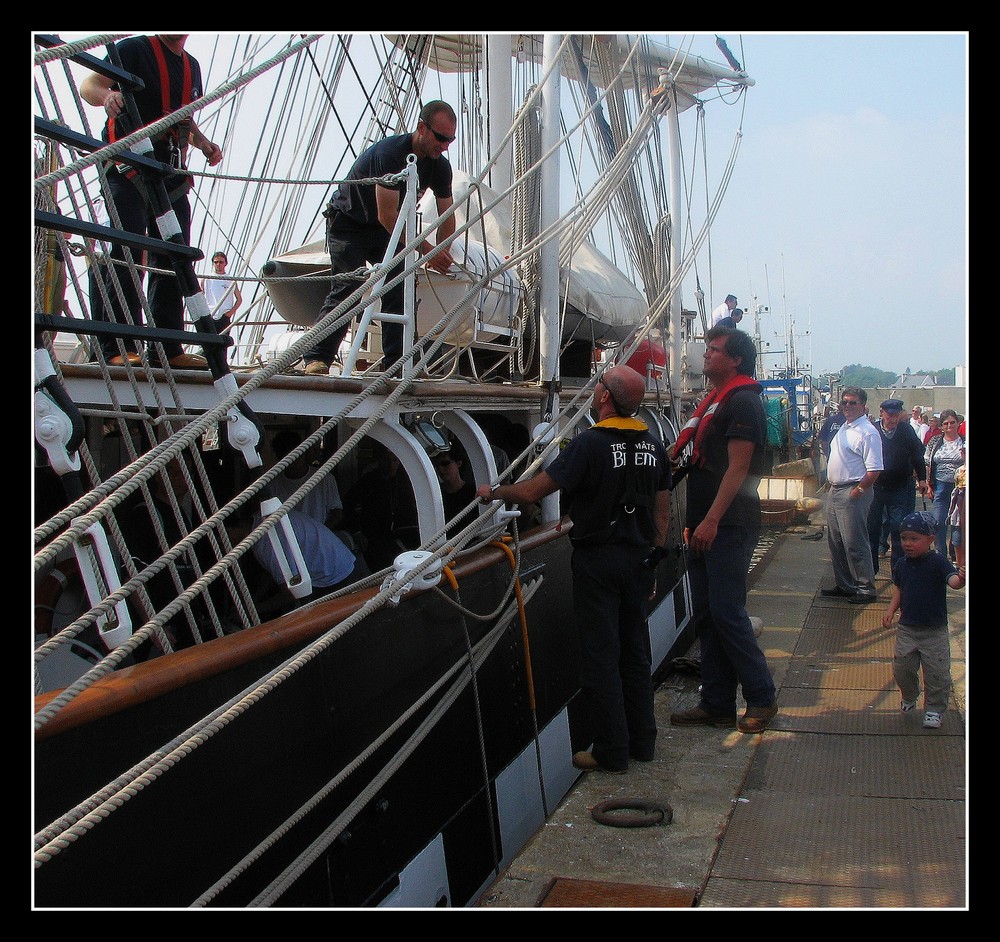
892, 405
920, 521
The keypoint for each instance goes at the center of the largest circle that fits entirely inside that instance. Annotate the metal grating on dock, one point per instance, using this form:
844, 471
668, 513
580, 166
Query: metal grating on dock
844, 802
847, 802
905, 849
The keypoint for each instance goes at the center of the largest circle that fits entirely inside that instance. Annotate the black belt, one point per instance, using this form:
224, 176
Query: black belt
847, 484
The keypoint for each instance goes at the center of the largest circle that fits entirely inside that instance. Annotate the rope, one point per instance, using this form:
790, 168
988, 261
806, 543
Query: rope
99, 504
326, 838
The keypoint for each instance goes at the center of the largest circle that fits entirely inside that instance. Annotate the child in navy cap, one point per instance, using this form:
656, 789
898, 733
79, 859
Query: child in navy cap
920, 580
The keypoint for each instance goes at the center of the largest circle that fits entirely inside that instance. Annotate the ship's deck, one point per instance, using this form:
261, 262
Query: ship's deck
843, 803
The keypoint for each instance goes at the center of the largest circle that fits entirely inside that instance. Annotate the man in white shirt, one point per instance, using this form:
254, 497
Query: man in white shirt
854, 465
918, 424
723, 310
223, 297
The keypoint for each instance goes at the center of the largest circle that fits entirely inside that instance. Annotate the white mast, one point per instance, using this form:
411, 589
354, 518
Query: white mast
500, 106
676, 248
549, 334
549, 257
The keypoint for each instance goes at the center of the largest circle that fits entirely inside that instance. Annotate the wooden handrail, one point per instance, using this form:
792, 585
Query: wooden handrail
141, 683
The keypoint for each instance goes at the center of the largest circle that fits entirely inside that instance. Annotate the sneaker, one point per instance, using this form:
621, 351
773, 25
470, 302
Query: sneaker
317, 368
932, 720
862, 598
696, 716
585, 762
906, 705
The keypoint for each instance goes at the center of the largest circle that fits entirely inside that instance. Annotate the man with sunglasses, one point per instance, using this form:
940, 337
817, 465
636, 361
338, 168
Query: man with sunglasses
854, 466
361, 217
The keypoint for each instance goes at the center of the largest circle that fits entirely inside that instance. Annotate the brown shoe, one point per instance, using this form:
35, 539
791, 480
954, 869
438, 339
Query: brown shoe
317, 368
188, 361
696, 716
132, 358
585, 762
757, 719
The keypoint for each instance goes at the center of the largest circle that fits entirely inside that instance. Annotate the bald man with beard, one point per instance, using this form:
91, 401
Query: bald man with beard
616, 479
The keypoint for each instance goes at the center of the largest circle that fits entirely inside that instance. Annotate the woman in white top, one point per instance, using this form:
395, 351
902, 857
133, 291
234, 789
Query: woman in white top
945, 455
223, 296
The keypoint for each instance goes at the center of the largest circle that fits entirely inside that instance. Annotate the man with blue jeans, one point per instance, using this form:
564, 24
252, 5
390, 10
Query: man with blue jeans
893, 494
727, 434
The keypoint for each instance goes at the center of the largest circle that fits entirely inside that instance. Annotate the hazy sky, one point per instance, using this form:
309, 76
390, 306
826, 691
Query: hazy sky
848, 206
847, 211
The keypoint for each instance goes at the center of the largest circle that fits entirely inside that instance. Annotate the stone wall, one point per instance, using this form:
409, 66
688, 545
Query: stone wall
929, 398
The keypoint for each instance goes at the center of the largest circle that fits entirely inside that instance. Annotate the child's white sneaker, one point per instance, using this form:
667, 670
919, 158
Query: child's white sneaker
906, 705
932, 720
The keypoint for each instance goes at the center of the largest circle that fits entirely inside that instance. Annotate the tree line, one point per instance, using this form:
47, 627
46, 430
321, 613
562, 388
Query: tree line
870, 377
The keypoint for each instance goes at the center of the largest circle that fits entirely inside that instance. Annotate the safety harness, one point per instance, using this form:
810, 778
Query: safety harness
174, 134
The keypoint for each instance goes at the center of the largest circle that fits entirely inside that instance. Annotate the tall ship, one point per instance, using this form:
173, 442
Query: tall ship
207, 735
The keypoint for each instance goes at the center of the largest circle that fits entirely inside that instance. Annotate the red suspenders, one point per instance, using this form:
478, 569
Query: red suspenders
165, 77
161, 62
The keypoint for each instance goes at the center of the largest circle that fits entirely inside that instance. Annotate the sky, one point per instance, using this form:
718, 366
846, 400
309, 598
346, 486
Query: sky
847, 212
848, 209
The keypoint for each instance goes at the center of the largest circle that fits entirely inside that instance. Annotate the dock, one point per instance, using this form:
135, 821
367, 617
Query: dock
844, 802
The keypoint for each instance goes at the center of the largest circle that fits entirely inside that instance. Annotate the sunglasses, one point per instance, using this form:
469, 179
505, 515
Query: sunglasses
443, 138
850, 402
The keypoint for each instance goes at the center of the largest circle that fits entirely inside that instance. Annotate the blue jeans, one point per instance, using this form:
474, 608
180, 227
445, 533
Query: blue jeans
611, 591
889, 504
730, 655
942, 501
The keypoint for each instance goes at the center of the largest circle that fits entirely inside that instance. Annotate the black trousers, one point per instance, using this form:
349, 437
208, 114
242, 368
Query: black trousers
163, 291
350, 247
611, 590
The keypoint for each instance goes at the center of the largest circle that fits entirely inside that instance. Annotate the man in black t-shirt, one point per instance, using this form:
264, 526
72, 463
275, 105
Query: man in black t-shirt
893, 494
361, 217
616, 477
722, 528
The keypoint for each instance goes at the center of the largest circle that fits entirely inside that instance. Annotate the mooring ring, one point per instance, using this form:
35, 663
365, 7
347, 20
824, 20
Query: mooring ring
649, 813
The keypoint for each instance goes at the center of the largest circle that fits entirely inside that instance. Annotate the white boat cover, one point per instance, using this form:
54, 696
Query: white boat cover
592, 287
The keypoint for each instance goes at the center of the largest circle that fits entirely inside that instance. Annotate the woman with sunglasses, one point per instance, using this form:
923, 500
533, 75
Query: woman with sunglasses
945, 455
362, 214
